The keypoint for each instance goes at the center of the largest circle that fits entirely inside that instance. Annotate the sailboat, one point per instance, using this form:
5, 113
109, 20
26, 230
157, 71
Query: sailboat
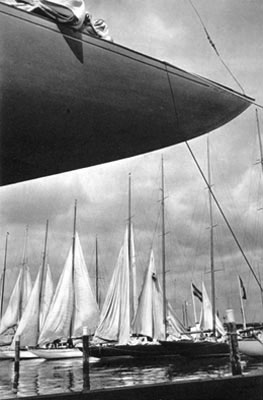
73, 307
188, 348
148, 321
19, 296
122, 332
34, 313
203, 346
99, 78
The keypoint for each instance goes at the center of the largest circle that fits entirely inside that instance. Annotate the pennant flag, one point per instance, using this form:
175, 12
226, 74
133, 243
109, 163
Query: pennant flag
197, 292
244, 295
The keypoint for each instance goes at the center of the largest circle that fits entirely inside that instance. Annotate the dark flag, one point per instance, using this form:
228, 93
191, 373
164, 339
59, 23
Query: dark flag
243, 290
197, 292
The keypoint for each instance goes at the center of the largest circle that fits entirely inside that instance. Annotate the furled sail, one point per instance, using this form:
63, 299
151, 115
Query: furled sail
36, 311
149, 317
206, 318
114, 322
18, 300
73, 303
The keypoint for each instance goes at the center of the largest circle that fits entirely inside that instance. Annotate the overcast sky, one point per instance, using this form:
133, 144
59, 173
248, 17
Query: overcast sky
170, 31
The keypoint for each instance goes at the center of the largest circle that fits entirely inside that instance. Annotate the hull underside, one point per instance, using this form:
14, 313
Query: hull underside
70, 101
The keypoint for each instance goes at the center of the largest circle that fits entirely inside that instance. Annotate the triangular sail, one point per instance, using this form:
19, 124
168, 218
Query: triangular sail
114, 322
17, 301
149, 317
86, 309
36, 310
133, 286
46, 297
59, 318
206, 318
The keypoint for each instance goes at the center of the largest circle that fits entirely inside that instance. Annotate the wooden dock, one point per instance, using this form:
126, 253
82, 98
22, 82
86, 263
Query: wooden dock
232, 388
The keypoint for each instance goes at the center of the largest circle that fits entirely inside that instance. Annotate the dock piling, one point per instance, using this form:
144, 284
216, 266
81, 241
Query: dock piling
16, 364
86, 377
233, 343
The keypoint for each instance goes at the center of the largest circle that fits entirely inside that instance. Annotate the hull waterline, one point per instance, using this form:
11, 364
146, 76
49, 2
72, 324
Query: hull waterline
59, 354
10, 355
71, 101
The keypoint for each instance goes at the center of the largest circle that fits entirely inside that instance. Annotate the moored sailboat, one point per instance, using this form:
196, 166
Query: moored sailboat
73, 307
19, 296
35, 311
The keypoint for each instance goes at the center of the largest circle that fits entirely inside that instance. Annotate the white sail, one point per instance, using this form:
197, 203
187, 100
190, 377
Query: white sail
149, 317
133, 286
17, 301
86, 312
206, 318
73, 300
46, 298
114, 322
145, 322
36, 309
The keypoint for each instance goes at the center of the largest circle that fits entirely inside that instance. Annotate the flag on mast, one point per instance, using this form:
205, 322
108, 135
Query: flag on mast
243, 290
197, 292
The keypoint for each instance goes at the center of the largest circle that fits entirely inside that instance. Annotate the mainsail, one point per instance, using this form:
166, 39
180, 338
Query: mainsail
115, 316
149, 318
36, 311
206, 318
18, 300
73, 303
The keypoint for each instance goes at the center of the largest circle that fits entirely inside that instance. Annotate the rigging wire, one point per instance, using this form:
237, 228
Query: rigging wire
224, 217
215, 48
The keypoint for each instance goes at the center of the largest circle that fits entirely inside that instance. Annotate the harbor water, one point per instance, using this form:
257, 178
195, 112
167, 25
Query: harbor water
40, 376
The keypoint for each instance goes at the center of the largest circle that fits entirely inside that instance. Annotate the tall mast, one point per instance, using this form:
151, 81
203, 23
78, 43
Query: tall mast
73, 267
163, 252
97, 271
3, 281
260, 141
261, 163
42, 273
24, 263
132, 281
211, 240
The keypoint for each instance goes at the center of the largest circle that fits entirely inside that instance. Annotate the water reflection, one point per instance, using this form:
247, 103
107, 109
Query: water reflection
42, 377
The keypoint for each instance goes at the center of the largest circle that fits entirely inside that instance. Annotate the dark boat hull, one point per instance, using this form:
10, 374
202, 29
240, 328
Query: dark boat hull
70, 101
197, 349
179, 348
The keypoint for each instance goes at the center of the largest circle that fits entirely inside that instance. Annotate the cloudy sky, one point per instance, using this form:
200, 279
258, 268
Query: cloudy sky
170, 31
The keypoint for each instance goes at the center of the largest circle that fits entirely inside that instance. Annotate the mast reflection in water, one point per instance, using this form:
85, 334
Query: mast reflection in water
44, 377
